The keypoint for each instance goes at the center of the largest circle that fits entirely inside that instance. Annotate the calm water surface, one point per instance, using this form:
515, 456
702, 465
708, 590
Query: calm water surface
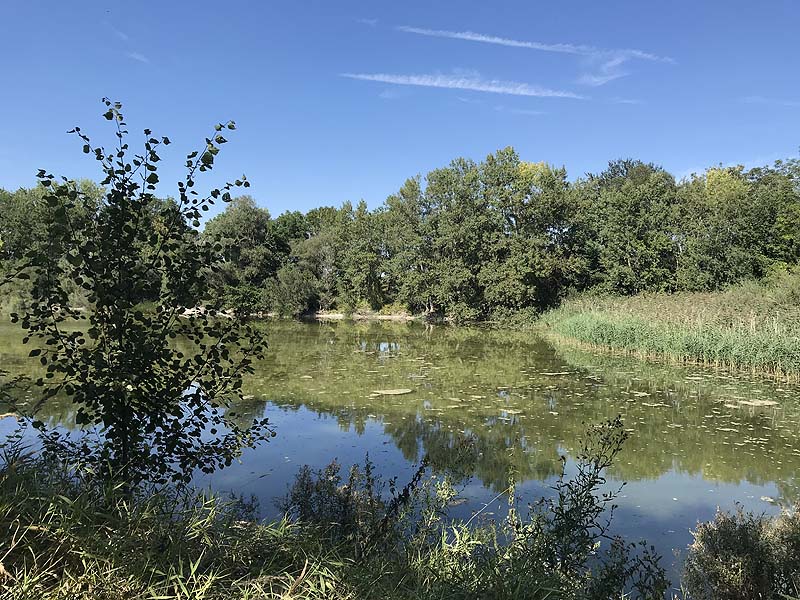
699, 438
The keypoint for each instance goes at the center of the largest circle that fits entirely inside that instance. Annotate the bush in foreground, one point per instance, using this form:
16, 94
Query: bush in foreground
743, 556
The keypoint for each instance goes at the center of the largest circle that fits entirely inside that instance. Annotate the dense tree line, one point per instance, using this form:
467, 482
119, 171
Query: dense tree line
485, 240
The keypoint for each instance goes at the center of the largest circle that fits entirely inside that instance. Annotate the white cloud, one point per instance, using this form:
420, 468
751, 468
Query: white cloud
455, 82
469, 100
770, 101
526, 112
582, 50
596, 80
138, 56
120, 34
608, 61
610, 68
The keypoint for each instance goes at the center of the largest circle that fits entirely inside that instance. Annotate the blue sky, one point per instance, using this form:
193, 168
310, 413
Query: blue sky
339, 100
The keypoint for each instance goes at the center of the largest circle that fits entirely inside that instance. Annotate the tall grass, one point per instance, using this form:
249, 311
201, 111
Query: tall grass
753, 327
68, 536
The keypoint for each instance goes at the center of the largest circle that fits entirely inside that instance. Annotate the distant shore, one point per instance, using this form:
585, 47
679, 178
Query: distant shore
364, 316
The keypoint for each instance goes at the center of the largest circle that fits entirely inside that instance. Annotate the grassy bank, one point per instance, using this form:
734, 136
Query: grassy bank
753, 326
345, 536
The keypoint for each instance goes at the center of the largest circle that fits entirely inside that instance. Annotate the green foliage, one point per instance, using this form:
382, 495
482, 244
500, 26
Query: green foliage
628, 212
359, 258
149, 410
243, 300
292, 292
485, 240
407, 238
250, 254
743, 556
475, 241
23, 229
533, 259
71, 537
21, 223
461, 226
715, 247
319, 253
396, 308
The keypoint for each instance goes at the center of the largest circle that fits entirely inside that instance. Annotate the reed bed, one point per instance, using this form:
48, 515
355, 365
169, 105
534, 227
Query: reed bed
751, 327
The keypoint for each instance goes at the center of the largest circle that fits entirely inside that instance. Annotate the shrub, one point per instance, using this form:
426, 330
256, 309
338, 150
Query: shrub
524, 318
159, 410
292, 292
561, 549
743, 556
395, 308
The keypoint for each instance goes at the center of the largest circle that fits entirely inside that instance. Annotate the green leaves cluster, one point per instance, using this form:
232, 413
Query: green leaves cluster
151, 411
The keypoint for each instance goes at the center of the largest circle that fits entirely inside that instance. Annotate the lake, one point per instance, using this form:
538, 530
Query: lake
699, 438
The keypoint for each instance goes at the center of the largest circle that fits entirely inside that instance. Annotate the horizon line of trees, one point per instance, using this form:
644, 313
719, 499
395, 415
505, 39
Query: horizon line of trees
486, 240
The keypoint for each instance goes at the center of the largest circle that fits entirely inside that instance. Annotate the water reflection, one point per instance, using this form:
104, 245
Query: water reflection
523, 401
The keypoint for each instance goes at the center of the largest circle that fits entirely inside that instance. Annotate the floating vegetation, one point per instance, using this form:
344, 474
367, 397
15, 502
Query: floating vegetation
758, 402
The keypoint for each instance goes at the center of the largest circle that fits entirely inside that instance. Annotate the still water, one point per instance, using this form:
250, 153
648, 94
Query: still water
699, 438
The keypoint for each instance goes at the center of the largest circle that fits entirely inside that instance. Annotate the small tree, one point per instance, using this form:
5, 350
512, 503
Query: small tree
152, 386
